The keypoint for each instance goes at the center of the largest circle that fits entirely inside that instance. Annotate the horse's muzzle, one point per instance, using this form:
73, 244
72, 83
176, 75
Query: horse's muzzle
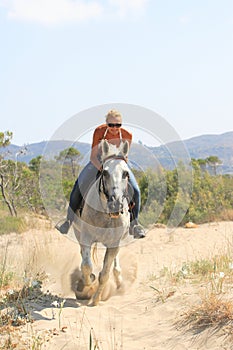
114, 215
115, 208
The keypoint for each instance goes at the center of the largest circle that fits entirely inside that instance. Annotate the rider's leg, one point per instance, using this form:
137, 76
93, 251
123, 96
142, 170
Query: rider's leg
135, 228
85, 180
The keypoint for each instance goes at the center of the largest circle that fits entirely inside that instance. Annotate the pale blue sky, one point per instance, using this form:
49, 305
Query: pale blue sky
59, 57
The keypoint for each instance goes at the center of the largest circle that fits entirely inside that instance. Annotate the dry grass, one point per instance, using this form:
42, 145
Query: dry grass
10, 224
211, 278
215, 309
213, 312
19, 290
214, 270
21, 293
225, 215
16, 310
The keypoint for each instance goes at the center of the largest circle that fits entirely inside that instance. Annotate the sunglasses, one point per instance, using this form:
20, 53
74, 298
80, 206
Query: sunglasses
112, 125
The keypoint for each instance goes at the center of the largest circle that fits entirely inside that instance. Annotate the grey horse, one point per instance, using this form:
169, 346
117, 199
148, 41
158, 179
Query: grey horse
105, 218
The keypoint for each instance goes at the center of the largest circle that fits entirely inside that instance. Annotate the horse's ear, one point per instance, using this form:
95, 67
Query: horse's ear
125, 148
105, 147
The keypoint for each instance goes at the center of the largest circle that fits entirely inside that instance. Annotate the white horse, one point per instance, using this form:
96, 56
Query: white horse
105, 217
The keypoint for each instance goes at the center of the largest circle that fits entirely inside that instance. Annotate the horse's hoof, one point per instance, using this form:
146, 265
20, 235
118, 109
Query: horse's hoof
85, 292
93, 303
81, 285
96, 298
84, 295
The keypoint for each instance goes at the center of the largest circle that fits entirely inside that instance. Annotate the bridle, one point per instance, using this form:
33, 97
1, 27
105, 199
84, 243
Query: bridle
113, 157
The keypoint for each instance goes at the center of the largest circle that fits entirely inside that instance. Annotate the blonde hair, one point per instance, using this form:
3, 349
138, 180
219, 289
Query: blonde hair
113, 113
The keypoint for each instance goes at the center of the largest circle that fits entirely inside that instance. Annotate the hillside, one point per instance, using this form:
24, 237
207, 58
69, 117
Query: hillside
200, 147
142, 156
34, 150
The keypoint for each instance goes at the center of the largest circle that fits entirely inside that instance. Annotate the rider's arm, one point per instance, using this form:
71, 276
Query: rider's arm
95, 150
127, 136
94, 158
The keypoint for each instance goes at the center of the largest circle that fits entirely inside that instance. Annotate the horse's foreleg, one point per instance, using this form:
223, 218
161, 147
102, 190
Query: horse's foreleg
104, 274
86, 266
117, 272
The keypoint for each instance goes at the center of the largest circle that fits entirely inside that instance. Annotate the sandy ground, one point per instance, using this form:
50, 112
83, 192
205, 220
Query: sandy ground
134, 317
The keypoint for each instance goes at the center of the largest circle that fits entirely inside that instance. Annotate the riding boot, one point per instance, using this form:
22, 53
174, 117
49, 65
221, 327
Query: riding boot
136, 230
64, 228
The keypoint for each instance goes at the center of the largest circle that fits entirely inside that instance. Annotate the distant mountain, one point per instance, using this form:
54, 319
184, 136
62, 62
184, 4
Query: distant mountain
200, 147
33, 150
142, 156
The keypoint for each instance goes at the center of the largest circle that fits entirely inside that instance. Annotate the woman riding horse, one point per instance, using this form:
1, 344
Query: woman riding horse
113, 132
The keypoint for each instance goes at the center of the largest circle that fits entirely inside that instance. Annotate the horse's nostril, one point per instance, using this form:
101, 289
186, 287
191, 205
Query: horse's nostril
121, 206
115, 206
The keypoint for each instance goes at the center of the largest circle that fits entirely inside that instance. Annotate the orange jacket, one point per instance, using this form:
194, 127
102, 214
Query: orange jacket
113, 139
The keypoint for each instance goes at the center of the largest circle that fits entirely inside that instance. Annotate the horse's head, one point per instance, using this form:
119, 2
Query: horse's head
115, 177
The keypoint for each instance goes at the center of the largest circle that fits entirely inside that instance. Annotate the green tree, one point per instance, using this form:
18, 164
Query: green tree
70, 156
9, 184
5, 138
34, 164
202, 163
18, 183
213, 162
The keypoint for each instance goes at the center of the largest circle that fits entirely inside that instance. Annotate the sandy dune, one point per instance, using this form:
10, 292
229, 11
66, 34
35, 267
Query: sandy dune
135, 317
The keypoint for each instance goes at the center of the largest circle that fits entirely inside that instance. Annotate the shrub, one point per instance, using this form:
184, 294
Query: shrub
10, 224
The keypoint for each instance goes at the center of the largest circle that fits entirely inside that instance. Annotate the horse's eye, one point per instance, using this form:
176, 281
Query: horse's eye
105, 173
125, 174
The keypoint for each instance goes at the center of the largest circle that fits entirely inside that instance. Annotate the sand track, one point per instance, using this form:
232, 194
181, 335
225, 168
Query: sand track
133, 317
